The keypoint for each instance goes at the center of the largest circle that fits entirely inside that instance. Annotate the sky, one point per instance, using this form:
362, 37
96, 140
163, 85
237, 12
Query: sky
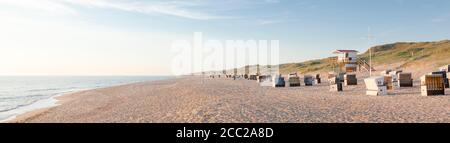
133, 37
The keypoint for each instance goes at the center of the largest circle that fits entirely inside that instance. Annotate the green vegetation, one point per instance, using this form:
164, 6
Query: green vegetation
433, 53
306, 67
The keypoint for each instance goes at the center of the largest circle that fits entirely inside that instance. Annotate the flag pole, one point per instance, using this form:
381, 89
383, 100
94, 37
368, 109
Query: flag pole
370, 51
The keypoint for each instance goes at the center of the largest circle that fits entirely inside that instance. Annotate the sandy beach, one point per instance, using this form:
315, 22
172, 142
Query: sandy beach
204, 100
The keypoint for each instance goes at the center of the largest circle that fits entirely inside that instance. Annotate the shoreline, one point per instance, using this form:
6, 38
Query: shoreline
27, 112
38, 105
57, 101
203, 100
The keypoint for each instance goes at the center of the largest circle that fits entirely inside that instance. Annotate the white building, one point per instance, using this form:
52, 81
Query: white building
348, 59
346, 56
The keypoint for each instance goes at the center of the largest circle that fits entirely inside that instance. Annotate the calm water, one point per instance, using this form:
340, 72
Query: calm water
19, 94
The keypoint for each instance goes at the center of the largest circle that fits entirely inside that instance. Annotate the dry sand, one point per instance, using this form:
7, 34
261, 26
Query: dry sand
203, 100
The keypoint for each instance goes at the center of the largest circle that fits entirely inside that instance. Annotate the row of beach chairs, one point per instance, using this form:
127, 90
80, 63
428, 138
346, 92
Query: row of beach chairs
293, 80
431, 84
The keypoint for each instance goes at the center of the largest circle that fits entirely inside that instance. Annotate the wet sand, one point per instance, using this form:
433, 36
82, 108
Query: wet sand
204, 100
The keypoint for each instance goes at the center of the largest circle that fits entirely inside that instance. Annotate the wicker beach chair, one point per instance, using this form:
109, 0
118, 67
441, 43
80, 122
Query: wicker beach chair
432, 85
350, 79
375, 86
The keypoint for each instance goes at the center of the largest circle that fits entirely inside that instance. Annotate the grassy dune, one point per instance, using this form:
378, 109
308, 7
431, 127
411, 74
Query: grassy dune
413, 56
434, 54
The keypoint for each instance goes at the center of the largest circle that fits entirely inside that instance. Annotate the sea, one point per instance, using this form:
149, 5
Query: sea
21, 94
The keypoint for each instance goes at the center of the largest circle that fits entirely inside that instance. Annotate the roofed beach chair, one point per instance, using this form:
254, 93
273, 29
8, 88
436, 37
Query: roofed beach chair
262, 78
388, 82
444, 78
309, 80
375, 86
253, 77
265, 80
335, 84
394, 75
432, 85
350, 79
294, 80
405, 80
278, 81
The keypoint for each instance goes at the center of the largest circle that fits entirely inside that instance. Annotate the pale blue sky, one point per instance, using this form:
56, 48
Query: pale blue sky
132, 37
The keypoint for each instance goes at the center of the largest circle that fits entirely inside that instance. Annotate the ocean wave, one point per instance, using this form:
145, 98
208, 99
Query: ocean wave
16, 106
14, 102
22, 97
45, 89
15, 97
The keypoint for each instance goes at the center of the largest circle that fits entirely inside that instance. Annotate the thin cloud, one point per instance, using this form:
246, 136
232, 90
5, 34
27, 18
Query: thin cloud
440, 19
46, 6
182, 9
269, 22
165, 8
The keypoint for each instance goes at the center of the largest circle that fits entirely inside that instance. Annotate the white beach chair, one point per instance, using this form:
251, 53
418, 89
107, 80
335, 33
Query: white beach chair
375, 86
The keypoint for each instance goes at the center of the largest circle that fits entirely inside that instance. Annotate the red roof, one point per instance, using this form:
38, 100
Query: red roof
344, 51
